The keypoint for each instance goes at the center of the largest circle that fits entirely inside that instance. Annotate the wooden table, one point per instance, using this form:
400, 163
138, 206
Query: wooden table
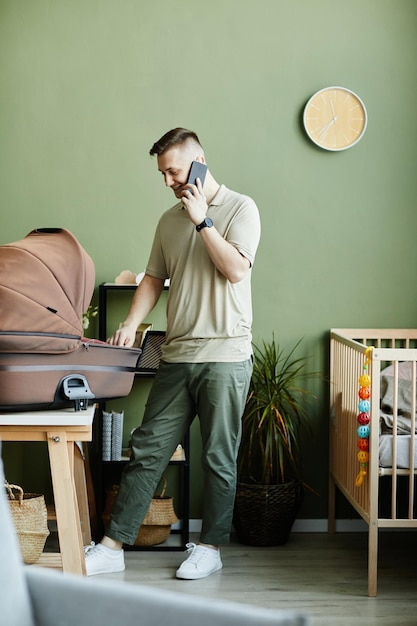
61, 429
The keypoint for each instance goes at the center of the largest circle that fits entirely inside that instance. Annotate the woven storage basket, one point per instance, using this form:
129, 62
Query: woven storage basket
265, 514
156, 526
30, 520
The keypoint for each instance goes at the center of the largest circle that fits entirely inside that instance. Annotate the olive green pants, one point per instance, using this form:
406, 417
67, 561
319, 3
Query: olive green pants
216, 393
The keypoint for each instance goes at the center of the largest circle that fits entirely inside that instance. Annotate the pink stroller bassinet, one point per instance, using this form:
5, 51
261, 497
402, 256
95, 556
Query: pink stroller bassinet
46, 284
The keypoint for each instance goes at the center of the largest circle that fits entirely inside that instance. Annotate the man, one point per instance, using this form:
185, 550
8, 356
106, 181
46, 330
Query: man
206, 246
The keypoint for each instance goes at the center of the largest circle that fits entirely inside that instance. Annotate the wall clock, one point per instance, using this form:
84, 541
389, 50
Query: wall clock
335, 118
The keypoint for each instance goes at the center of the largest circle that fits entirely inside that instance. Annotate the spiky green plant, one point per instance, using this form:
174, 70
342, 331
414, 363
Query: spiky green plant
275, 421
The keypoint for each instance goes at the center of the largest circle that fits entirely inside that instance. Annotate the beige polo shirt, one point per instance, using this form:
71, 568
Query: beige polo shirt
208, 318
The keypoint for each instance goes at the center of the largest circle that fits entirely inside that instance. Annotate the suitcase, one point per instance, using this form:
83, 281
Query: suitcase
46, 284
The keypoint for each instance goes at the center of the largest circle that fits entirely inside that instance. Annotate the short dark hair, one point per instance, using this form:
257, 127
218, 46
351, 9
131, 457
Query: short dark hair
173, 138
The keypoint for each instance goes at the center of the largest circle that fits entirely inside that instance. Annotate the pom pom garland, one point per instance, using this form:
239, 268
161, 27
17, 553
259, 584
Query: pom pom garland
363, 419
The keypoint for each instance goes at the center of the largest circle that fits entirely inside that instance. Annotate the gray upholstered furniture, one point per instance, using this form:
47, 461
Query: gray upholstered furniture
33, 596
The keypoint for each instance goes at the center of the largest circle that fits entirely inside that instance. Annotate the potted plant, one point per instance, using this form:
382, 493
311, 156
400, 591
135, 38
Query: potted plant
89, 315
275, 424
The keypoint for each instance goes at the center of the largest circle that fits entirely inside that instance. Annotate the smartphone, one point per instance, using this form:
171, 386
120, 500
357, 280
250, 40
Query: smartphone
198, 170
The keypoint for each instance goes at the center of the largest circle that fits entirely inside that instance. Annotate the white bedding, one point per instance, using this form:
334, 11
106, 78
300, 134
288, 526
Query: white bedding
403, 398
404, 410
403, 451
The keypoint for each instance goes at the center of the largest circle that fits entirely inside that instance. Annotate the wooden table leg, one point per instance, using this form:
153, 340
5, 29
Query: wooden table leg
61, 458
91, 498
81, 490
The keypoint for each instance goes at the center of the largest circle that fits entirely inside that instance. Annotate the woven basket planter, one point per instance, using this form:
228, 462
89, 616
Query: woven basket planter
30, 520
264, 514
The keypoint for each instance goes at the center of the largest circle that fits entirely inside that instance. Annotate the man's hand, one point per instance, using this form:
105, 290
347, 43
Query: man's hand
146, 296
195, 203
124, 336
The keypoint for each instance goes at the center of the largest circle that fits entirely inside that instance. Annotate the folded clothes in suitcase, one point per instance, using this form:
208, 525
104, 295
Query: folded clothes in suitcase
46, 284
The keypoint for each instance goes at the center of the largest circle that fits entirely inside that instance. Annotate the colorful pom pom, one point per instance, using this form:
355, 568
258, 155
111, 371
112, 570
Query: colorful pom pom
364, 393
364, 380
363, 419
363, 444
363, 456
364, 431
364, 406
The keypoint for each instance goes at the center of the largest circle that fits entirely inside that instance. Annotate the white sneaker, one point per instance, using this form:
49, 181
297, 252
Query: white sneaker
201, 563
87, 548
102, 560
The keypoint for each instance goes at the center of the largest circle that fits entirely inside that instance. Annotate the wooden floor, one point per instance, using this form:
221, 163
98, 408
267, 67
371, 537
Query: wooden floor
322, 575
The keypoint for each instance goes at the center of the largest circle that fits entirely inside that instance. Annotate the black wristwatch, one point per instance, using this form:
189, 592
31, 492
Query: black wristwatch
206, 222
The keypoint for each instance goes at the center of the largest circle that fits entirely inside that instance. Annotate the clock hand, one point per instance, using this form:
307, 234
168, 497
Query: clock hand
326, 128
333, 112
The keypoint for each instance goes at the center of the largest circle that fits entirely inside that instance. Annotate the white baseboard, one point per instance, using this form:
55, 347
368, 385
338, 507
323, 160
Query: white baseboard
306, 526
320, 526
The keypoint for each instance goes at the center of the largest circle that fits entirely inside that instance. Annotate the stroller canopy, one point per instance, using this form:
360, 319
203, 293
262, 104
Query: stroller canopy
46, 284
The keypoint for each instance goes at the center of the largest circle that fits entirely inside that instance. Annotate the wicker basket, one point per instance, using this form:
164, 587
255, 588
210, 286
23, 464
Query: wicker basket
30, 520
156, 526
264, 514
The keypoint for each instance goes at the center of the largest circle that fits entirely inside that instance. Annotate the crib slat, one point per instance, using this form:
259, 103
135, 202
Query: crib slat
394, 444
412, 443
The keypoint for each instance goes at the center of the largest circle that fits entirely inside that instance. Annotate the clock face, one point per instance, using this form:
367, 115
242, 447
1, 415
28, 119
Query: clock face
335, 118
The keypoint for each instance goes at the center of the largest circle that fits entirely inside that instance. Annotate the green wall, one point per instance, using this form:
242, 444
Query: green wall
86, 87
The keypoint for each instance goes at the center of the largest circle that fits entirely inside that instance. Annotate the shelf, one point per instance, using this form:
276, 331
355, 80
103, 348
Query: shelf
116, 286
177, 457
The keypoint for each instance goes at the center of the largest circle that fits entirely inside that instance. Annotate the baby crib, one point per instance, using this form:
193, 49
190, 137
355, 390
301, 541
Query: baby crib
392, 413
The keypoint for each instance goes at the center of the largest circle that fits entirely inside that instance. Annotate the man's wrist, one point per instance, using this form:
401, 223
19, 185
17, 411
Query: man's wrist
206, 223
